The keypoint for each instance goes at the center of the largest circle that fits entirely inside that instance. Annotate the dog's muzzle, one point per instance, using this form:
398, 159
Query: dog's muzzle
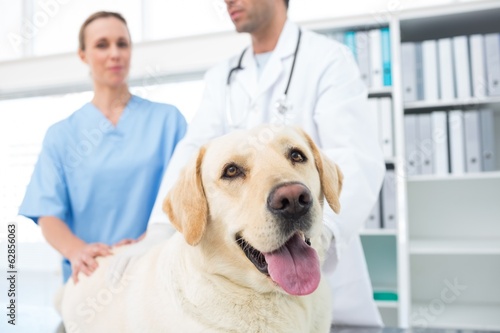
294, 265
289, 201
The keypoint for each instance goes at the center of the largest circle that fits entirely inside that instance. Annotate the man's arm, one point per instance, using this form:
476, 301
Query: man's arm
348, 138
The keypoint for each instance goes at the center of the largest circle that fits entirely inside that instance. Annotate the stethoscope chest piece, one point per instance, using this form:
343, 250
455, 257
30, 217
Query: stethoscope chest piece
283, 106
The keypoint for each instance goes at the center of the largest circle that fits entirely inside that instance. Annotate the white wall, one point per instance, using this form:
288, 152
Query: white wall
168, 35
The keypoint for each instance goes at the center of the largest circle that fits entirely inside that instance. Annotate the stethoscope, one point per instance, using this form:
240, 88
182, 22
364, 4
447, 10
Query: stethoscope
282, 106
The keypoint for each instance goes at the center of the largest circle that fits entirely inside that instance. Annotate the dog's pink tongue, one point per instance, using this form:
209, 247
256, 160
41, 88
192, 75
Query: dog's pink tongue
295, 267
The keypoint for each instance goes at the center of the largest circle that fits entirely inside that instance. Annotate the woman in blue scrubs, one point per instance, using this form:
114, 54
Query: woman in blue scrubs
99, 170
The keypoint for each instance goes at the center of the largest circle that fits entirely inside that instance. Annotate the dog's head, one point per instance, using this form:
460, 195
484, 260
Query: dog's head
252, 201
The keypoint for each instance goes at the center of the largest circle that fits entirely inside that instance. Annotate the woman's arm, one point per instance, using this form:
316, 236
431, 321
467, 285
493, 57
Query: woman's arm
80, 254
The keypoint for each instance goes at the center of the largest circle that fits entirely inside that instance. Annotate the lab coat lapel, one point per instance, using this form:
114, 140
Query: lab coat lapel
284, 48
247, 78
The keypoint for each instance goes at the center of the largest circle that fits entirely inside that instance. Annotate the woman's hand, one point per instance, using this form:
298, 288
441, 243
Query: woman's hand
83, 259
156, 233
126, 241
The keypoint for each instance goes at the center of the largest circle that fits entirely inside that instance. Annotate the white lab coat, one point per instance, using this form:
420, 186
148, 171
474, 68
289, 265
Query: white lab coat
329, 101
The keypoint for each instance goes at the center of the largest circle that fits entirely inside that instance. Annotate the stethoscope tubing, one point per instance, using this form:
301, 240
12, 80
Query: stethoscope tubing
240, 67
237, 68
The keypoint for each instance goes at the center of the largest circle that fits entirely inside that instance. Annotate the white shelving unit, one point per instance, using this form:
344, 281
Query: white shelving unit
453, 220
448, 228
380, 245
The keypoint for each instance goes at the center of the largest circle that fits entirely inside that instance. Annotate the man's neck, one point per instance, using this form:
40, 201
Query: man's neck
266, 38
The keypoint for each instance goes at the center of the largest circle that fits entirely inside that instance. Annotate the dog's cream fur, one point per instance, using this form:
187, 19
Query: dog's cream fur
200, 280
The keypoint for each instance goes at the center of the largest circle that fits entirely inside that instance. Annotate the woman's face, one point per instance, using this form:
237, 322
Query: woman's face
107, 51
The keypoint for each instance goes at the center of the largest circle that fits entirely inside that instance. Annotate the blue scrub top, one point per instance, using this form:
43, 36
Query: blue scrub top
102, 180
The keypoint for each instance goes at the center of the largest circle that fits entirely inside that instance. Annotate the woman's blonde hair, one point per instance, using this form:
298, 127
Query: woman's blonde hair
92, 18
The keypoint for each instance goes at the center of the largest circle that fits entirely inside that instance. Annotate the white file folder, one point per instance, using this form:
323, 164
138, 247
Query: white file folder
492, 48
419, 71
408, 59
374, 221
411, 153
363, 55
462, 67
488, 140
472, 141
387, 127
446, 77
457, 144
440, 142
425, 145
430, 70
477, 58
376, 58
389, 214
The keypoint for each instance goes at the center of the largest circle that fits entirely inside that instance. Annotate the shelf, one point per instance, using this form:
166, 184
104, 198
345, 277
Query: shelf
463, 208
381, 261
475, 275
448, 20
342, 23
378, 232
446, 10
380, 92
387, 304
472, 102
478, 317
390, 160
454, 247
455, 177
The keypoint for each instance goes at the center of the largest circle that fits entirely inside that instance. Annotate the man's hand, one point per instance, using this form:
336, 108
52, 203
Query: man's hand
83, 259
156, 233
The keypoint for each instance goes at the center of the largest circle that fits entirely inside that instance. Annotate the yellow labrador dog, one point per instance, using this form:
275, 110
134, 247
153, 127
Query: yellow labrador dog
247, 255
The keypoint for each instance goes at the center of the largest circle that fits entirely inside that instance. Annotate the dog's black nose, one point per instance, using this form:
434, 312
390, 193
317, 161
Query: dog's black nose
290, 200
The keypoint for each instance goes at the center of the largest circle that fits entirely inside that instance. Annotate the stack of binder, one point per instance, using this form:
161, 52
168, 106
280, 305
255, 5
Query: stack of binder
384, 213
372, 51
460, 67
444, 142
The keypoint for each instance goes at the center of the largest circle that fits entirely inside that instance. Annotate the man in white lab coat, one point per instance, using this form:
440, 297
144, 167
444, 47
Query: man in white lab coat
326, 96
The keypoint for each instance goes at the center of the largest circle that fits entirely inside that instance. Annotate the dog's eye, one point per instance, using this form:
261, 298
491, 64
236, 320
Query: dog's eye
297, 157
231, 171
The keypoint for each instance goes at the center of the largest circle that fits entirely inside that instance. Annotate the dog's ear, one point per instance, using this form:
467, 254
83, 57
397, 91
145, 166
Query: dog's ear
330, 175
186, 204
